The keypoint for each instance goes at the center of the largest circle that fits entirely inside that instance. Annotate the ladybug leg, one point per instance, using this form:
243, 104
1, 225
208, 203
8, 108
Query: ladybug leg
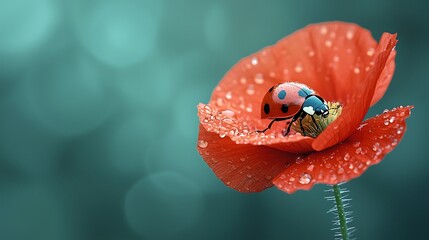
315, 123
271, 124
291, 122
300, 123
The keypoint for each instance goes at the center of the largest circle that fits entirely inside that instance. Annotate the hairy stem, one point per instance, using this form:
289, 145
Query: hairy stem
341, 213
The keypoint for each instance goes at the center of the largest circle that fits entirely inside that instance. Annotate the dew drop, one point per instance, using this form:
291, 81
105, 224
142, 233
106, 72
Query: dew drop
358, 150
242, 159
305, 178
336, 59
347, 157
219, 102
249, 108
311, 53
340, 170
291, 179
243, 80
386, 122
328, 165
394, 142
249, 176
250, 89
351, 166
310, 167
202, 144
323, 30
356, 144
222, 134
385, 110
228, 95
259, 78
268, 177
350, 34
328, 43
356, 70
400, 130
228, 113
298, 68
299, 160
391, 119
370, 52
254, 60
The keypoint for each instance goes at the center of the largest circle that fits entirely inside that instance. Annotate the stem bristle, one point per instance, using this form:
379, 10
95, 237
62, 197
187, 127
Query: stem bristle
342, 218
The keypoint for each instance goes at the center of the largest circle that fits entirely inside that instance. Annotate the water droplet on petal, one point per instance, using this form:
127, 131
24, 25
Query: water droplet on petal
242, 159
328, 43
347, 157
311, 53
250, 89
350, 34
291, 179
370, 52
323, 30
394, 142
356, 144
351, 166
392, 119
254, 60
228, 113
259, 78
356, 70
228, 95
310, 167
298, 68
249, 176
305, 178
268, 177
299, 160
336, 59
358, 150
202, 144
386, 122
340, 170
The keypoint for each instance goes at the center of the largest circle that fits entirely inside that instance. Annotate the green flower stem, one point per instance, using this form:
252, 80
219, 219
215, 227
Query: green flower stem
341, 212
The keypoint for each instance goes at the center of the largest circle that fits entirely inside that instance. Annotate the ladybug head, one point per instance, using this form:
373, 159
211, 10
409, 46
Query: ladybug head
323, 110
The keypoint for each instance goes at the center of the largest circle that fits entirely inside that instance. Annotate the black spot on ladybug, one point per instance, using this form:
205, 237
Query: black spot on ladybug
271, 89
285, 108
267, 108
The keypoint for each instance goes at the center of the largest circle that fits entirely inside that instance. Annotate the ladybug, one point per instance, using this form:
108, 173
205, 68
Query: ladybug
291, 100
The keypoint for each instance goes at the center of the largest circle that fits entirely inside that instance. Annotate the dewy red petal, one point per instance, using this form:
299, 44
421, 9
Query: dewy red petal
358, 102
225, 124
343, 63
246, 168
331, 58
372, 140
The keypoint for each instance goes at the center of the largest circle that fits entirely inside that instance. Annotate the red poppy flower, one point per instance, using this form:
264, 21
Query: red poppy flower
342, 63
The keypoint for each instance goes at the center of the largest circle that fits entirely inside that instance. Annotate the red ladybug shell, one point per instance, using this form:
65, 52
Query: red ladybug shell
284, 100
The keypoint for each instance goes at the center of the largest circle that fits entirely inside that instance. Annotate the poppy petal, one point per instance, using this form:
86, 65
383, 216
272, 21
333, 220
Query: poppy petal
329, 57
384, 79
224, 123
357, 103
243, 167
242, 89
373, 139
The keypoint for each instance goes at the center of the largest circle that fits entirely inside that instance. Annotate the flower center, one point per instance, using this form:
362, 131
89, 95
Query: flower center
310, 127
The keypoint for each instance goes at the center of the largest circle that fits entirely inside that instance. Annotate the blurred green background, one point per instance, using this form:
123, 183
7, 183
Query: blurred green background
98, 121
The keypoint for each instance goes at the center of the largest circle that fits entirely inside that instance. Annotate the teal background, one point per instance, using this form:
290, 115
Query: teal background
98, 121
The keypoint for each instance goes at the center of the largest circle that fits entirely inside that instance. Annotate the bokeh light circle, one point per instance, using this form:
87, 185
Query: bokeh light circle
25, 24
120, 33
71, 98
162, 205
